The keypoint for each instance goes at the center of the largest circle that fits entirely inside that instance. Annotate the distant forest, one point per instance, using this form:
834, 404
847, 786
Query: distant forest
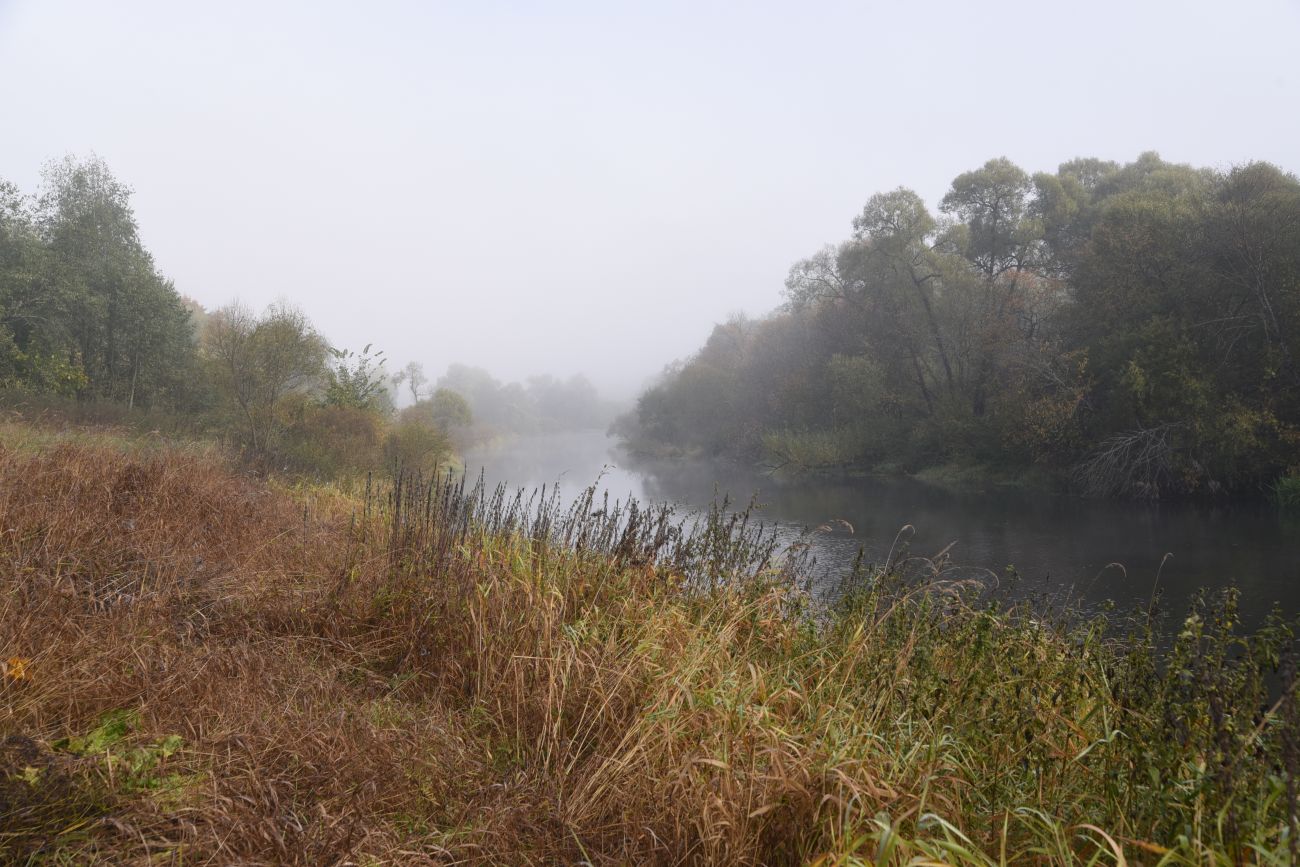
89, 328
542, 404
1127, 330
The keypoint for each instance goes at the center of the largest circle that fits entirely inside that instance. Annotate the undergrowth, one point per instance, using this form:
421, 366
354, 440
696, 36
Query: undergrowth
1286, 493
202, 668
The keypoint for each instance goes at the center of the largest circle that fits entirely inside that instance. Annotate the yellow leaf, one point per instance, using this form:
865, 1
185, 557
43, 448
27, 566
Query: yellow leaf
16, 668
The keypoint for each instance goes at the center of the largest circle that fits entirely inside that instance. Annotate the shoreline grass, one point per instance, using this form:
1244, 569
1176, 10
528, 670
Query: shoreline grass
207, 668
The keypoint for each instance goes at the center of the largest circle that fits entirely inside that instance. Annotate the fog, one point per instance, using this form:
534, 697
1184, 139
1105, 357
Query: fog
588, 187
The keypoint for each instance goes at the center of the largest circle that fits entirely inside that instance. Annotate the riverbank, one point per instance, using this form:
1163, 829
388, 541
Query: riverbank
811, 461
204, 667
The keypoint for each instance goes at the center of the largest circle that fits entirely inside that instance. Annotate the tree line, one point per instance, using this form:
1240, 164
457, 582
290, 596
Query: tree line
1128, 330
539, 405
86, 317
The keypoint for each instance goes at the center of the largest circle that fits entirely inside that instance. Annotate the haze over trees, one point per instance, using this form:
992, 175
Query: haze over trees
85, 315
543, 404
1129, 327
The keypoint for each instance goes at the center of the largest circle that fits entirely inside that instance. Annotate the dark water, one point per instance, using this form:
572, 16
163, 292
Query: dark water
1061, 547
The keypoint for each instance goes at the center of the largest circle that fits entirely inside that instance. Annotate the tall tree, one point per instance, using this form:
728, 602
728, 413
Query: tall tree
132, 334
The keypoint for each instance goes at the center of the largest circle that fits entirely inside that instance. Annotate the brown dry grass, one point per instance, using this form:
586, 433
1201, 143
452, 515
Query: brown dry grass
169, 584
333, 707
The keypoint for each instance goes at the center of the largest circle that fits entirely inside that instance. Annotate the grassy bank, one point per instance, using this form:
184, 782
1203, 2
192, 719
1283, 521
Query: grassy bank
203, 668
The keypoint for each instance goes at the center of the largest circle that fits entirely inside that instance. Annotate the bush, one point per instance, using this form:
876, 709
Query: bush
810, 450
333, 441
416, 443
1286, 493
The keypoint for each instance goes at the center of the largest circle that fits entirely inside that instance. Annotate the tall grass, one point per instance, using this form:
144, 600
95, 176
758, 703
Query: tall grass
435, 671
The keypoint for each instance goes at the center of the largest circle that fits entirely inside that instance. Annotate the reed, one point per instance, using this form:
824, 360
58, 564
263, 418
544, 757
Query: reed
205, 668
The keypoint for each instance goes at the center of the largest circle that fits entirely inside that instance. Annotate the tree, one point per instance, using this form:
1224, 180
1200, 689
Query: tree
1001, 237
414, 378
1253, 233
130, 332
896, 228
449, 410
256, 363
992, 203
36, 351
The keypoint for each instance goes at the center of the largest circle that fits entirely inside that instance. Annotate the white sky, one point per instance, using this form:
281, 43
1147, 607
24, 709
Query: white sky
588, 187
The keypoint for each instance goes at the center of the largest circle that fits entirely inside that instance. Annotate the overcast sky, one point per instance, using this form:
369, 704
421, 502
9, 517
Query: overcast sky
588, 187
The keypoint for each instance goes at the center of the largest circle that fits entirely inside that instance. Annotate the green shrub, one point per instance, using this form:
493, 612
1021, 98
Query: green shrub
415, 443
334, 441
812, 449
1286, 493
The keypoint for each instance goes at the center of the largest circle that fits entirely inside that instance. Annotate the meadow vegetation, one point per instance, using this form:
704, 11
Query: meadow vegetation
207, 667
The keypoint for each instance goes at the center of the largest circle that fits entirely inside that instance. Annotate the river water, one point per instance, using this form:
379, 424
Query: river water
1061, 547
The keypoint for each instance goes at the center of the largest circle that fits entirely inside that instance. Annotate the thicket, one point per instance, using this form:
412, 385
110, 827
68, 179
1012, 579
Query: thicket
91, 331
205, 668
1128, 329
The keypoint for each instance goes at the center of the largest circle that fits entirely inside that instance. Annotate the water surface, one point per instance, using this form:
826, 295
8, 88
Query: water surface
1060, 546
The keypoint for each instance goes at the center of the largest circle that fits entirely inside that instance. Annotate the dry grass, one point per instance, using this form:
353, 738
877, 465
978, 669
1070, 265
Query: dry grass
169, 585
221, 671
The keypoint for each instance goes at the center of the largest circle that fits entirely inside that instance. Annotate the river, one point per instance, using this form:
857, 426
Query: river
1061, 547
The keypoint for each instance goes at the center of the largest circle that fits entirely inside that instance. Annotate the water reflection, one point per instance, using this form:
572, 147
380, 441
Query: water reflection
1058, 545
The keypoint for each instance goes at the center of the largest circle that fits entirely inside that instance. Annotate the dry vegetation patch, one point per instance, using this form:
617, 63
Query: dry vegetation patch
205, 668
